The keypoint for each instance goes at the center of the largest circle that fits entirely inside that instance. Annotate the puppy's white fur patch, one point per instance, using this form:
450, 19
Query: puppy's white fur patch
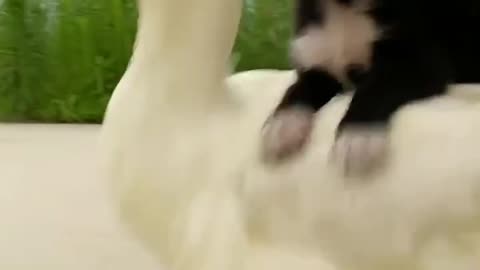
344, 38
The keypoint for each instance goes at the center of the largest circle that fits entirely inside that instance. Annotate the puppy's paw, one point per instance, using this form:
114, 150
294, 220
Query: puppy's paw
359, 151
286, 133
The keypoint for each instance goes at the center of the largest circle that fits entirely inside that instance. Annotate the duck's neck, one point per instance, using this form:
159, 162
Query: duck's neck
183, 47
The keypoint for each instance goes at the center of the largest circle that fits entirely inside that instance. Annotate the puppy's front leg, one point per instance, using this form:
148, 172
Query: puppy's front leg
287, 130
402, 70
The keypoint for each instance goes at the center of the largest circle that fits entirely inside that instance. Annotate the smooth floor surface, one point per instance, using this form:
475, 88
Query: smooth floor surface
54, 209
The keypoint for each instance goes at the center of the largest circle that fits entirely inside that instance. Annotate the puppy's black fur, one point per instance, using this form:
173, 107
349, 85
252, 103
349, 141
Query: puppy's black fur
425, 45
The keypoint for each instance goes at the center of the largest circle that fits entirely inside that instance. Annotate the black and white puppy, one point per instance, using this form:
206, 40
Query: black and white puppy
391, 51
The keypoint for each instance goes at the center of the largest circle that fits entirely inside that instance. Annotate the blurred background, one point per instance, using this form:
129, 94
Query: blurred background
61, 59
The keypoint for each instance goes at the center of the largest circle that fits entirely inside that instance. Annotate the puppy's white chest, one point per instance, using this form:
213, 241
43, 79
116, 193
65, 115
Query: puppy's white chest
344, 38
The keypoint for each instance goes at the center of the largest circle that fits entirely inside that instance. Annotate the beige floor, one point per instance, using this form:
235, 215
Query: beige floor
54, 212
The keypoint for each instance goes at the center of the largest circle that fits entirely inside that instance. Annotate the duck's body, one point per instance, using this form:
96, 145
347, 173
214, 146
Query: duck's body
181, 148
54, 209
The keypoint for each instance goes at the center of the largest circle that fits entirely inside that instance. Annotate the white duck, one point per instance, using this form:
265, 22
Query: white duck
180, 148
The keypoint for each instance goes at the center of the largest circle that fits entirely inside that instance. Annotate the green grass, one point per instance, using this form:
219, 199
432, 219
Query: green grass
61, 59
